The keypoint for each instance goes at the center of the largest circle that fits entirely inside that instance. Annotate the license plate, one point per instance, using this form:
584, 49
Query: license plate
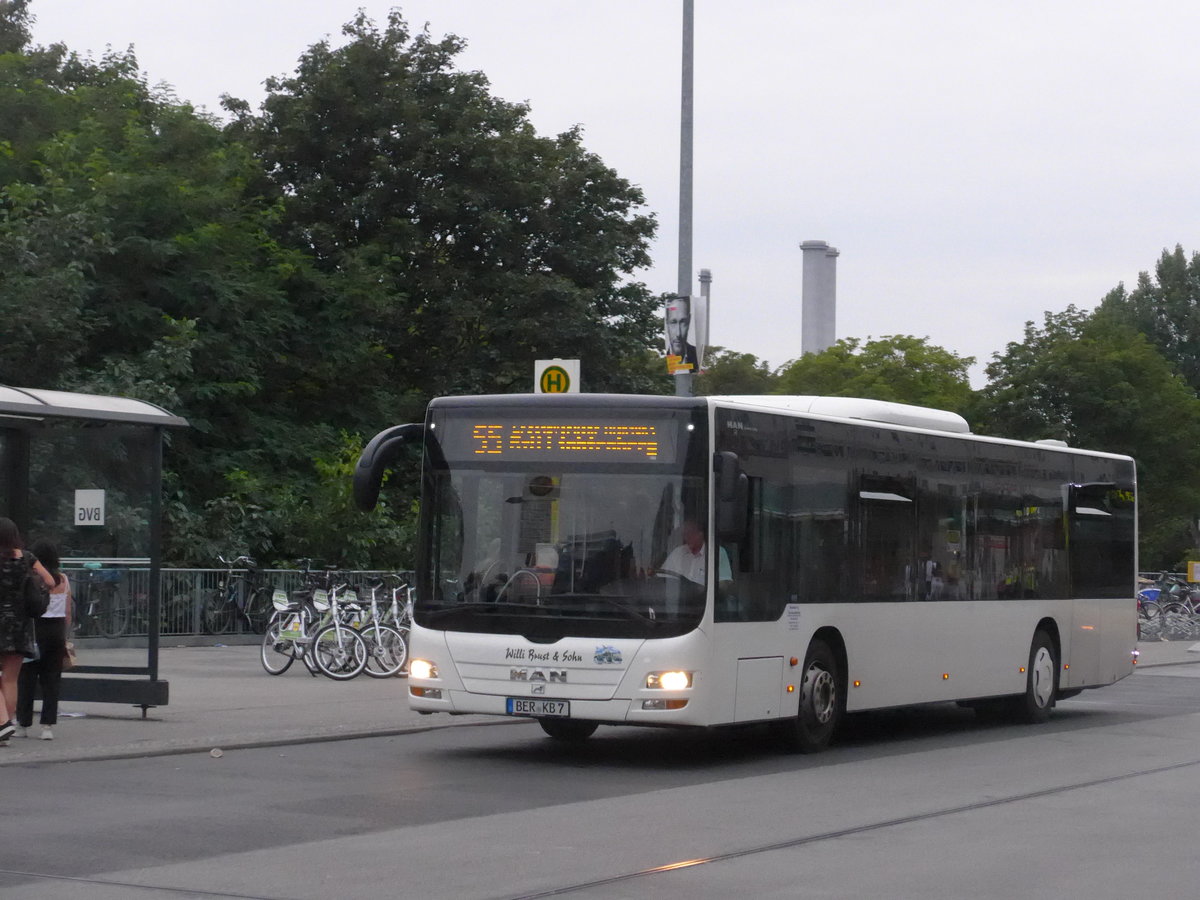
534, 706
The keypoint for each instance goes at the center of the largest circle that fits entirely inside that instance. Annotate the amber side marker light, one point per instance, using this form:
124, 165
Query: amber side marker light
791, 688
945, 676
858, 684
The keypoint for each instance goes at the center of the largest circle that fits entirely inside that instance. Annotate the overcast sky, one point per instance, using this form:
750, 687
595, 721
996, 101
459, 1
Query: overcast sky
976, 164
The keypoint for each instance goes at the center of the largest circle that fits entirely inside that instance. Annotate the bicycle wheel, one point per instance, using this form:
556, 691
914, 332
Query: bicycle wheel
277, 653
309, 659
339, 652
404, 633
259, 609
175, 607
1176, 622
1149, 620
112, 617
216, 616
387, 651
85, 616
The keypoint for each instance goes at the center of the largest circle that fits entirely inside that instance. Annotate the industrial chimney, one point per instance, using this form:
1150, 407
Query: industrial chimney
819, 305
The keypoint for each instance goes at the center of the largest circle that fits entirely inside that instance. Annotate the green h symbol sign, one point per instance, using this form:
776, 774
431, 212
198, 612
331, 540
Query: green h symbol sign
555, 380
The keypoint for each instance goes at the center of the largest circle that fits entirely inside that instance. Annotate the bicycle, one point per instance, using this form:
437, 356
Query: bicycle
400, 612
314, 625
1169, 609
338, 649
387, 647
100, 607
239, 596
287, 636
295, 617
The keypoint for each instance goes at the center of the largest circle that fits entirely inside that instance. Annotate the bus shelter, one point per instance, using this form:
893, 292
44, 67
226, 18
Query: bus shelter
85, 472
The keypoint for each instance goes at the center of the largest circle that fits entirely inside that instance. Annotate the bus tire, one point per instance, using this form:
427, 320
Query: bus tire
822, 703
570, 730
1041, 681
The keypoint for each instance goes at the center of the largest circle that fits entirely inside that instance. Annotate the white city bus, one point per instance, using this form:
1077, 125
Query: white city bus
859, 555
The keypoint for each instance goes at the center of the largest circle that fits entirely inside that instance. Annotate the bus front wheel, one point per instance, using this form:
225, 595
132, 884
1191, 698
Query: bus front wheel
822, 703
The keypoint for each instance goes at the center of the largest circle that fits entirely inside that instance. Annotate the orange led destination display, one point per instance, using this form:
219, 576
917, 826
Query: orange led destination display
499, 438
495, 440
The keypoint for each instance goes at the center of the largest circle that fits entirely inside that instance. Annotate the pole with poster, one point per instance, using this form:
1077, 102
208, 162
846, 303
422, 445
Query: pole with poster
684, 334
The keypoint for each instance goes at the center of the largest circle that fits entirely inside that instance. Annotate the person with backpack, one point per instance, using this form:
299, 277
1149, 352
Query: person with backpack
16, 625
52, 628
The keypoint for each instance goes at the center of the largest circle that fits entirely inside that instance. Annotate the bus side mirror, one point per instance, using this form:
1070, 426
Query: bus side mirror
377, 457
732, 492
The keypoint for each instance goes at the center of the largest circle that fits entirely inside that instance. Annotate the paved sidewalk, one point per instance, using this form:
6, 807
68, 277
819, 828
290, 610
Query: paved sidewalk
220, 698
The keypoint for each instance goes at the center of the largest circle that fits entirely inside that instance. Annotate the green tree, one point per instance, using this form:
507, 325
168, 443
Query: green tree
136, 260
461, 244
1166, 309
308, 515
730, 372
1094, 381
384, 231
899, 368
15, 20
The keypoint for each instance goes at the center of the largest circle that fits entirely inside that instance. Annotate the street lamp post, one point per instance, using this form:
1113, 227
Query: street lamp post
683, 383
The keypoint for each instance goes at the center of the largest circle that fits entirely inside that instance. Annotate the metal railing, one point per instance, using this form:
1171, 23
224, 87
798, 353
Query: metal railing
114, 601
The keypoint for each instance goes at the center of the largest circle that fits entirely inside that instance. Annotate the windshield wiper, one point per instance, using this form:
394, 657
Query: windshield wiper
491, 606
615, 601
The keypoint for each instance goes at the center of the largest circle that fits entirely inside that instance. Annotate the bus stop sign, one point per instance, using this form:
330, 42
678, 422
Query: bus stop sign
556, 376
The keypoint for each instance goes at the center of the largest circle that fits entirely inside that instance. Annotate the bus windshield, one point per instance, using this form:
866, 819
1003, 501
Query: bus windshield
569, 543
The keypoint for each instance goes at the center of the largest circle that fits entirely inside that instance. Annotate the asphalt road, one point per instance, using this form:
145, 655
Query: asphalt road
926, 803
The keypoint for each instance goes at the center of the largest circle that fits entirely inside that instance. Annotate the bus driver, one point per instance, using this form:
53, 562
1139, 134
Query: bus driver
687, 560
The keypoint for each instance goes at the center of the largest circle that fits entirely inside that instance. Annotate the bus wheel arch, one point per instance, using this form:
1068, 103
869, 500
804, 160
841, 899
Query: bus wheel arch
822, 704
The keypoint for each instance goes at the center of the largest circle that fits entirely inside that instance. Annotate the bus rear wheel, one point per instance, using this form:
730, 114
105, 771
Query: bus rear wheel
822, 703
571, 730
1041, 682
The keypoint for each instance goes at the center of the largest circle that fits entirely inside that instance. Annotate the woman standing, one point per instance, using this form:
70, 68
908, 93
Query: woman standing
16, 633
52, 629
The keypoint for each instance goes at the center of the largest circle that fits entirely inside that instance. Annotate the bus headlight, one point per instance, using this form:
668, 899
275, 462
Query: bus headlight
669, 681
422, 668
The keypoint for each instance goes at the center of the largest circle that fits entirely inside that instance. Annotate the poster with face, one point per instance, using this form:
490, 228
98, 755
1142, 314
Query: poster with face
684, 334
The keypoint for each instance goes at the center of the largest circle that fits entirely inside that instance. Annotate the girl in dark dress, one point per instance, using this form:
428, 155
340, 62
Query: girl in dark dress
16, 628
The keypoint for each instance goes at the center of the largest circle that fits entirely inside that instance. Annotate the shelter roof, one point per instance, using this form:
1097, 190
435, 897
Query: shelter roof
31, 403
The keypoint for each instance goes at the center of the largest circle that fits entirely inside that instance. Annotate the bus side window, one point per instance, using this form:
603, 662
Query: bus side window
887, 528
763, 563
1101, 523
